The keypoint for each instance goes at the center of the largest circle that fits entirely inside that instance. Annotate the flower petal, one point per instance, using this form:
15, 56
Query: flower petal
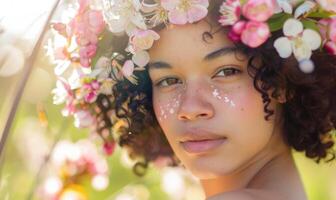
255, 33
329, 5
330, 48
304, 8
61, 67
301, 49
128, 68
283, 47
204, 3
117, 25
196, 13
307, 66
259, 10
292, 27
285, 6
138, 20
332, 29
177, 17
312, 38
169, 4
141, 58
239, 27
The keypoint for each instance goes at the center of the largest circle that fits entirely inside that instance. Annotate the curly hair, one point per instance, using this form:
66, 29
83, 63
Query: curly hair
309, 112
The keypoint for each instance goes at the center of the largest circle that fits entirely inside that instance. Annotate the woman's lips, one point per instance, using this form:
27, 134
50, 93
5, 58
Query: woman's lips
199, 146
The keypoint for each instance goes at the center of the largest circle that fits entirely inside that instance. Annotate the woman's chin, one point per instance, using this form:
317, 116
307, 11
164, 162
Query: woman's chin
207, 170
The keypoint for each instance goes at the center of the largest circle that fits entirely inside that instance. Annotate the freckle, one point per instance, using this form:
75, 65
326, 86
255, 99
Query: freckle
242, 109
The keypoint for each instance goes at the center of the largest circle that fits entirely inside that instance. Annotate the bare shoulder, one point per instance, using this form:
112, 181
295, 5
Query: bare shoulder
248, 194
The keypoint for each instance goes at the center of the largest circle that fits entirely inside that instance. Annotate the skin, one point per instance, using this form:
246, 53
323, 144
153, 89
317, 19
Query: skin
254, 162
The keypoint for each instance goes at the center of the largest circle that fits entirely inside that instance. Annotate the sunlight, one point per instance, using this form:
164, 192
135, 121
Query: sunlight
25, 18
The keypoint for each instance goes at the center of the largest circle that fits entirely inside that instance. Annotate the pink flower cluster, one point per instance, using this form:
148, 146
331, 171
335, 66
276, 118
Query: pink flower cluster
185, 11
73, 162
90, 91
254, 31
83, 32
86, 27
328, 32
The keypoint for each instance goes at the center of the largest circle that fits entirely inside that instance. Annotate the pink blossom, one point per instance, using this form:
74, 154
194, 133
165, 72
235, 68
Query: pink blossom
63, 93
330, 47
83, 119
109, 147
83, 5
61, 53
231, 11
70, 108
328, 28
239, 27
61, 29
329, 5
86, 53
259, 10
255, 33
128, 68
90, 91
87, 24
237, 30
143, 39
332, 30
328, 32
185, 11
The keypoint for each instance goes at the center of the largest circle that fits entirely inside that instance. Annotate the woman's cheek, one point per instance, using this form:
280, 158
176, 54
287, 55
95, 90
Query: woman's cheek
166, 108
249, 117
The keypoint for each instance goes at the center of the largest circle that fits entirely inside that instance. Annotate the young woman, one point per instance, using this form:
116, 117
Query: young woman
225, 89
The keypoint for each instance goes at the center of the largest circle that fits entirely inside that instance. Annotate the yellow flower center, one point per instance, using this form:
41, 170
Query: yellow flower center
259, 9
184, 5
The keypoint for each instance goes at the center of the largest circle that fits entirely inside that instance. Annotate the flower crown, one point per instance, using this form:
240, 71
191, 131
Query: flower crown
87, 67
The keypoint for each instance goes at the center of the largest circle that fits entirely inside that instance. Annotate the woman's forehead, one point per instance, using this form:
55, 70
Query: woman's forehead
179, 42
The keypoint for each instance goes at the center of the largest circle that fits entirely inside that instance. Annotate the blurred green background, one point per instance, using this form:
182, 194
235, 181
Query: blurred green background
25, 167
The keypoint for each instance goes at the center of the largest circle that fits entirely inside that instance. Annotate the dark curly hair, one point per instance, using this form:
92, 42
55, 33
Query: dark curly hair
308, 114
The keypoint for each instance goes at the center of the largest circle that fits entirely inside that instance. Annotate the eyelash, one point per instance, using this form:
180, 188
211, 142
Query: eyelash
233, 70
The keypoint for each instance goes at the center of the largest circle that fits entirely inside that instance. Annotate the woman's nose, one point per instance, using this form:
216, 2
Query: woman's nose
194, 105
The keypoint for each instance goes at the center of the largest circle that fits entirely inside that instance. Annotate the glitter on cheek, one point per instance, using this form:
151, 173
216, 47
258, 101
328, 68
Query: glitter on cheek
169, 108
217, 94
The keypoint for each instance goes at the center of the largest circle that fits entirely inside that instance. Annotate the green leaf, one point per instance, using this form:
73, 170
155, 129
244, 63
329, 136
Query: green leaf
277, 21
310, 24
242, 2
320, 13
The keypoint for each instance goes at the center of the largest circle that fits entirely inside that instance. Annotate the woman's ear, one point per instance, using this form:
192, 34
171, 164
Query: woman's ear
282, 96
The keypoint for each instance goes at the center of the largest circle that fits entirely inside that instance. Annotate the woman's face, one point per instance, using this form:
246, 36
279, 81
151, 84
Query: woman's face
206, 97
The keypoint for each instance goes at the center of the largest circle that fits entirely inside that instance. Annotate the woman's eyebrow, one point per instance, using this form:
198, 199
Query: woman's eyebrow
213, 55
221, 52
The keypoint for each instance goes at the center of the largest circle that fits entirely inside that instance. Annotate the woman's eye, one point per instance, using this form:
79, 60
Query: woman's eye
166, 82
228, 72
